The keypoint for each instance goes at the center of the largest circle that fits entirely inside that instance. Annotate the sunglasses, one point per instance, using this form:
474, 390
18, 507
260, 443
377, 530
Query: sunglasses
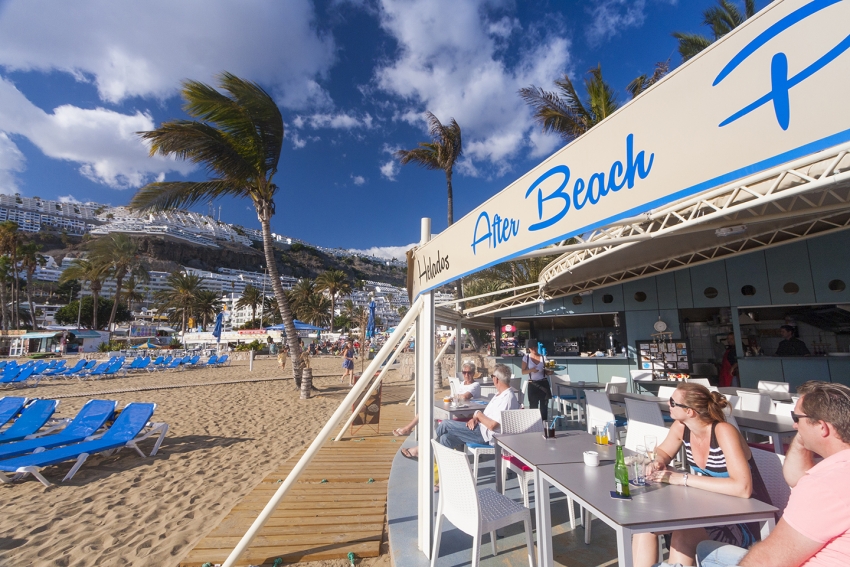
796, 417
673, 404
466, 371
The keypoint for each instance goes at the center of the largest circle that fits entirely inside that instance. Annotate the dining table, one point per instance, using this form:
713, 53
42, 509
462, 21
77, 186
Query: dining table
448, 410
774, 395
772, 425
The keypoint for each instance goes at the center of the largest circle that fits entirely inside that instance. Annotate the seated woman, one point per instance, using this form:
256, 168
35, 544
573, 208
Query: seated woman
467, 390
719, 461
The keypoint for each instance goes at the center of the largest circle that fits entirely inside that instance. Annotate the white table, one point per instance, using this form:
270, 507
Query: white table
774, 426
775, 396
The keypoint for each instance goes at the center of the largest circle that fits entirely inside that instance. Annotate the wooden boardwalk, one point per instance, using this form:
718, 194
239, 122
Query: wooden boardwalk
337, 506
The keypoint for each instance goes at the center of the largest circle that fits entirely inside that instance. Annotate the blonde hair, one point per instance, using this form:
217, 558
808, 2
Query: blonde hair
708, 405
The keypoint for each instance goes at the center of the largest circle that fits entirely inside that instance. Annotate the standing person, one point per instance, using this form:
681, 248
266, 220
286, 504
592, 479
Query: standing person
791, 345
815, 528
281, 359
348, 362
729, 365
539, 390
719, 460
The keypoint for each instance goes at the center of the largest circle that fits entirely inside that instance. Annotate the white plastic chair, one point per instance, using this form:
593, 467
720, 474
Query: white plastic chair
666, 392
638, 430
615, 388
767, 386
513, 422
750, 401
567, 400
734, 401
770, 469
703, 381
599, 411
782, 408
474, 512
640, 376
643, 412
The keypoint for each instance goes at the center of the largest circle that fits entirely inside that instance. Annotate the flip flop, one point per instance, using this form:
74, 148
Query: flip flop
405, 452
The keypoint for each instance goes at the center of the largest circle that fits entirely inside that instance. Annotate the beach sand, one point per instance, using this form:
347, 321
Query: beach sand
129, 511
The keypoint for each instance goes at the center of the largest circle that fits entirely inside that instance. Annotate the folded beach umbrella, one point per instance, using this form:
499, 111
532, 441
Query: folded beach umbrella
217, 329
370, 324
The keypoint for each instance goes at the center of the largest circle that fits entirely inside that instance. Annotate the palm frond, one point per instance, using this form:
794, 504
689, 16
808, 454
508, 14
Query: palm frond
690, 44
164, 195
553, 113
643, 82
425, 155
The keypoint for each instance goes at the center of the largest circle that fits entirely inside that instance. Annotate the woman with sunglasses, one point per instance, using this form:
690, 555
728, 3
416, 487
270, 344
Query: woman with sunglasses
719, 460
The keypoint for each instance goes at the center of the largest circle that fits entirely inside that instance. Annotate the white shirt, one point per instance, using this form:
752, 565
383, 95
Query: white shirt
474, 389
538, 370
500, 402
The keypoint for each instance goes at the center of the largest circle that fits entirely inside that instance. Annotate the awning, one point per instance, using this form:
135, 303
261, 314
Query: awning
81, 334
299, 326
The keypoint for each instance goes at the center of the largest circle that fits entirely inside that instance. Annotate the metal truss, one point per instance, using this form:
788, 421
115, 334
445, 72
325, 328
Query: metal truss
807, 197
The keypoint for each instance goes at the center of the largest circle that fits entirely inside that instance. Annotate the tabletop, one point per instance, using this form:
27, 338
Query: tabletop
661, 504
775, 396
580, 385
764, 421
620, 398
566, 447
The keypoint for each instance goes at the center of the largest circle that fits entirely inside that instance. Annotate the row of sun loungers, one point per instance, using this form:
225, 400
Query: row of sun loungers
12, 374
27, 446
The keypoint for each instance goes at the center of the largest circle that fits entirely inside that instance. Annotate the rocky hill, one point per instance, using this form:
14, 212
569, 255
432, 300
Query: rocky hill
300, 261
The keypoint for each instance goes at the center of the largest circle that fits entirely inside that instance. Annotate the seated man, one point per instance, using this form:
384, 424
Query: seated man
815, 528
469, 388
483, 425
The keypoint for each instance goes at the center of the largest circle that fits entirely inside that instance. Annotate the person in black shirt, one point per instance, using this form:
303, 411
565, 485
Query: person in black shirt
791, 345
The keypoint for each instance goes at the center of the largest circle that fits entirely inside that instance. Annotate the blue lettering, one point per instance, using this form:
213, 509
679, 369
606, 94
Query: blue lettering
578, 189
557, 194
616, 169
596, 179
486, 237
634, 163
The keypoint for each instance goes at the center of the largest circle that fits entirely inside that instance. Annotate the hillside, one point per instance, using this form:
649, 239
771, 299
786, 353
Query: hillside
165, 254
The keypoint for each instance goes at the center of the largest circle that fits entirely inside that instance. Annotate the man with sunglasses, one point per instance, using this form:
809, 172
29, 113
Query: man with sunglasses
815, 528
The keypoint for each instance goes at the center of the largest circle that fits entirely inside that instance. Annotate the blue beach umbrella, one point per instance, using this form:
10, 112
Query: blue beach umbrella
370, 324
217, 329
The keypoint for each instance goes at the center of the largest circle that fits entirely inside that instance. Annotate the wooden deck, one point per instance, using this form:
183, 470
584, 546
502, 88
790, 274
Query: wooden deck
337, 506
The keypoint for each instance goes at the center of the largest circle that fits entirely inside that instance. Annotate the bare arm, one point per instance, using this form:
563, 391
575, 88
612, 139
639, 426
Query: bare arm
784, 547
479, 417
798, 460
669, 447
525, 369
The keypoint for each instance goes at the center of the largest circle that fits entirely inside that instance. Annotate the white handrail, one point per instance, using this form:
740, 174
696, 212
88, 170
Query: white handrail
320, 439
401, 345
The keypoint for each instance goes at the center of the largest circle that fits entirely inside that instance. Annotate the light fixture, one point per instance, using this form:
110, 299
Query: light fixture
730, 230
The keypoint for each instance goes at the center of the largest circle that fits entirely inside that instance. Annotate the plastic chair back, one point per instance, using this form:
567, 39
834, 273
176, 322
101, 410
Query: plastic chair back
9, 407
458, 495
666, 392
129, 422
32, 418
637, 431
770, 469
782, 408
615, 388
521, 421
768, 386
751, 401
644, 412
598, 409
640, 375
90, 418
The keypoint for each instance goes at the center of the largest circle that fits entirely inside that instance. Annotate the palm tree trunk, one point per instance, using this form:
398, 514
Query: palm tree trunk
3, 306
15, 299
333, 310
450, 199
253, 314
29, 299
95, 294
119, 278
264, 214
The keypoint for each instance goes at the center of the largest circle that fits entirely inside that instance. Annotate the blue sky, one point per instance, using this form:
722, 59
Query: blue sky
352, 78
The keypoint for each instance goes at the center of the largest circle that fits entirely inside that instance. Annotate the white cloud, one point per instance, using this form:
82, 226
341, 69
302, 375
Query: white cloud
451, 62
68, 199
339, 121
103, 142
297, 141
147, 48
11, 162
386, 252
358, 179
610, 17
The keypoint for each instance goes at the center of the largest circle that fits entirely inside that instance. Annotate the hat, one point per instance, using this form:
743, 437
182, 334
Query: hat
531, 343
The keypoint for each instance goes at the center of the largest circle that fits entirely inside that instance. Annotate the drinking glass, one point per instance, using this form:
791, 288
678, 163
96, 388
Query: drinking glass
650, 443
640, 460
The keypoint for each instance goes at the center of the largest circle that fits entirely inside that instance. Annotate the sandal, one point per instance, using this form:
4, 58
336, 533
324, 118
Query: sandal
405, 452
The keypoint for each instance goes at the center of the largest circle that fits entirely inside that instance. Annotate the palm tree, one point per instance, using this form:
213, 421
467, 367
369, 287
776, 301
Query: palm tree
722, 19
5, 279
643, 82
334, 282
30, 261
301, 293
270, 310
9, 245
121, 254
441, 152
238, 138
316, 310
132, 294
86, 270
206, 306
564, 112
402, 311
251, 297
180, 295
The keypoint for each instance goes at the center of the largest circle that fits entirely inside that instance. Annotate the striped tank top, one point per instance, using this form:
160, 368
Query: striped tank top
716, 463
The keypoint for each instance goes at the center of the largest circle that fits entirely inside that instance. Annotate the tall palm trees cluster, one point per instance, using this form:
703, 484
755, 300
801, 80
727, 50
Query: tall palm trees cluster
19, 256
114, 256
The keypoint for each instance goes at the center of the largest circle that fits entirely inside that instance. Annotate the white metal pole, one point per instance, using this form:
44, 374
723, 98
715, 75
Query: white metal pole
458, 348
375, 384
320, 439
425, 410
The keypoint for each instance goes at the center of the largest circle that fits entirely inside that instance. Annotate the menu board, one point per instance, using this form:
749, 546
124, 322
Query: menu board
664, 357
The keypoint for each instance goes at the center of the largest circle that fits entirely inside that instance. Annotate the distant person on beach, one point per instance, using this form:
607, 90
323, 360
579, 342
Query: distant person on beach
281, 359
348, 363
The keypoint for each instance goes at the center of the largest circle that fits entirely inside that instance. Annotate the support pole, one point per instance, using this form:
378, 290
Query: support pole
425, 410
324, 435
250, 361
458, 348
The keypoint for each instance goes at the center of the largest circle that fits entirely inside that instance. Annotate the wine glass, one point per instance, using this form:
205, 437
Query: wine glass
640, 460
650, 443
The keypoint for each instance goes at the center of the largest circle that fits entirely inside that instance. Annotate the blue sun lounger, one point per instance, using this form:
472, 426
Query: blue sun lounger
10, 406
124, 432
22, 376
89, 419
33, 417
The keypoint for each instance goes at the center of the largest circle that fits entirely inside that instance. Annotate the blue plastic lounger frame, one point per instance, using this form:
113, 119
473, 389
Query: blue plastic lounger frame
33, 417
10, 407
89, 419
127, 431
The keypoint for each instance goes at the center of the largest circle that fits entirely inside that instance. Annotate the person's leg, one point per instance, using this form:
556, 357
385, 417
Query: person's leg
712, 553
407, 428
683, 545
533, 396
644, 549
454, 434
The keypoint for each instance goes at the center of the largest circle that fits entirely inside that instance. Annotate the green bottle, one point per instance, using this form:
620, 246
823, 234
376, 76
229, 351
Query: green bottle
621, 473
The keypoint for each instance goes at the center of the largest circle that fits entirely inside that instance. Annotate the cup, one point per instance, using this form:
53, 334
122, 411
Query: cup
447, 400
591, 458
551, 432
640, 466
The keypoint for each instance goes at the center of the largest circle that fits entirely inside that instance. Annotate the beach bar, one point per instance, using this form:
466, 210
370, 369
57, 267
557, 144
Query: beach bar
715, 202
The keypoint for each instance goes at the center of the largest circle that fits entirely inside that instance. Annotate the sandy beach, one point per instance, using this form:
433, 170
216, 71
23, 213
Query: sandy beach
126, 510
